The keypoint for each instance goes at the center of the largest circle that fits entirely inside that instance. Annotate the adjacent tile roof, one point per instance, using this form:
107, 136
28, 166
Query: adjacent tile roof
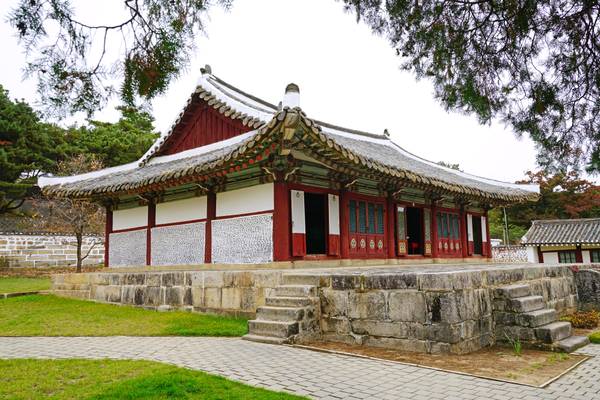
365, 150
563, 231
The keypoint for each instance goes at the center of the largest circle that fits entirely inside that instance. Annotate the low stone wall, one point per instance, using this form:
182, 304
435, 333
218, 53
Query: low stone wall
46, 250
443, 312
588, 288
509, 254
222, 292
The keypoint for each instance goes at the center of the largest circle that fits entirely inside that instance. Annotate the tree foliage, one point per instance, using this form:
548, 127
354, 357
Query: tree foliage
562, 195
533, 64
73, 60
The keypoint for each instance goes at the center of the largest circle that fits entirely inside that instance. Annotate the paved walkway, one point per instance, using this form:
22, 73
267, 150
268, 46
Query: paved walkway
317, 375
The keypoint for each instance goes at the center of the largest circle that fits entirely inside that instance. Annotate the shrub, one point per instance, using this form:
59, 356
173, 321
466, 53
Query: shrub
583, 319
595, 337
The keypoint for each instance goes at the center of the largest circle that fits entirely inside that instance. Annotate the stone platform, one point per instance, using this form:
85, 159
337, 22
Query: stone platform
451, 308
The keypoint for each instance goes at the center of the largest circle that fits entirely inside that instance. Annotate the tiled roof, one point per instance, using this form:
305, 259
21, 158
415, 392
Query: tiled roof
563, 231
371, 151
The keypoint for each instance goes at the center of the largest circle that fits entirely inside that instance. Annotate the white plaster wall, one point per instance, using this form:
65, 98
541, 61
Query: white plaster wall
243, 240
298, 219
551, 257
585, 255
532, 254
247, 200
130, 218
181, 210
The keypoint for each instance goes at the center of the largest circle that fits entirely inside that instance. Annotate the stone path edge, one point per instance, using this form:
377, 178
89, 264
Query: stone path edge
586, 357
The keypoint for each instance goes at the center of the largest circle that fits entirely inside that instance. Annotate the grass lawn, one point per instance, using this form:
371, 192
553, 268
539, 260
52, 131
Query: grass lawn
15, 284
46, 315
111, 379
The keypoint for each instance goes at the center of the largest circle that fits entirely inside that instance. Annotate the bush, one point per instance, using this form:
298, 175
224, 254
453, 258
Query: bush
595, 337
584, 319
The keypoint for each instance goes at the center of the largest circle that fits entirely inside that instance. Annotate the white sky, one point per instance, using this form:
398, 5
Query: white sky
347, 76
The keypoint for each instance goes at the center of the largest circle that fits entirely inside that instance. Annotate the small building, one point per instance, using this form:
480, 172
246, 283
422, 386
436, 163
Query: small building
240, 180
563, 241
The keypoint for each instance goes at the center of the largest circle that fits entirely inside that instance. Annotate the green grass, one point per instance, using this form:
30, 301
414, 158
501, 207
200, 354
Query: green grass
39, 315
16, 284
112, 379
595, 337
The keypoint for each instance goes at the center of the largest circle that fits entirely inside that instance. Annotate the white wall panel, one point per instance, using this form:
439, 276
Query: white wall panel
551, 257
585, 256
470, 227
181, 210
247, 200
334, 214
298, 218
532, 254
130, 218
483, 229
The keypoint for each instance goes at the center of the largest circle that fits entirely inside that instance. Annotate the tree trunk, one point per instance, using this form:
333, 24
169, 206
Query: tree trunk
79, 237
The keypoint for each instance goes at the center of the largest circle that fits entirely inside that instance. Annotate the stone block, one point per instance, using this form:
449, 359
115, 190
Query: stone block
106, 293
367, 305
99, 279
115, 279
76, 278
345, 282
435, 281
268, 279
248, 301
504, 276
153, 296
187, 296
134, 279
339, 325
172, 279
407, 305
390, 281
197, 296
228, 278
173, 295
442, 307
242, 279
443, 332
400, 330
334, 302
231, 298
415, 345
153, 279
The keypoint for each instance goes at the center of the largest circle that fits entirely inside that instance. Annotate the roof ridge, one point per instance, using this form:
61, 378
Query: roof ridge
565, 220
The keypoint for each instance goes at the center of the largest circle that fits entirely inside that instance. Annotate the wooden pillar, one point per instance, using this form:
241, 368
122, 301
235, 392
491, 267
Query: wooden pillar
151, 224
391, 228
540, 255
578, 254
464, 240
211, 213
281, 222
434, 231
108, 227
344, 225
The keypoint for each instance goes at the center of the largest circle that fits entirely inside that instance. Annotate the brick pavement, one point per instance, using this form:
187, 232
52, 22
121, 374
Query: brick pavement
314, 374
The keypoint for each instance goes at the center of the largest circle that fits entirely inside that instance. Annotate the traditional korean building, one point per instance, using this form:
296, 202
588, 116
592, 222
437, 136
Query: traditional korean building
240, 180
563, 241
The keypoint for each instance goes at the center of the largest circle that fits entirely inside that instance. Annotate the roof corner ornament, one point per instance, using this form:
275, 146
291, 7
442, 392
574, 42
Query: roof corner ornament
386, 132
291, 98
206, 70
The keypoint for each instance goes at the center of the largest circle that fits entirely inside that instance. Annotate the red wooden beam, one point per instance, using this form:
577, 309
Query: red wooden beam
108, 227
151, 224
434, 231
281, 222
211, 214
344, 225
391, 228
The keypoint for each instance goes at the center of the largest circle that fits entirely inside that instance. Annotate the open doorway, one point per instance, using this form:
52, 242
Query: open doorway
315, 212
477, 236
414, 230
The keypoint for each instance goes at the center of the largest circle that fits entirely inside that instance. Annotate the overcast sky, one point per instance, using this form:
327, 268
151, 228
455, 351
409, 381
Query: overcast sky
347, 76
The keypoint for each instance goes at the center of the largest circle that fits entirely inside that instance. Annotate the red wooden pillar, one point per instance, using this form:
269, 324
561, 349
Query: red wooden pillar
464, 240
434, 231
344, 225
391, 228
578, 254
211, 213
281, 222
488, 245
151, 224
108, 227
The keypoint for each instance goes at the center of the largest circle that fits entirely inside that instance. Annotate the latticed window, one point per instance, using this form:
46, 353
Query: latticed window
567, 256
595, 256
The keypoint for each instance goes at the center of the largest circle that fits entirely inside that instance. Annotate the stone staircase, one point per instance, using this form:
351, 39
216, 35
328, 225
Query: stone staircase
521, 315
288, 315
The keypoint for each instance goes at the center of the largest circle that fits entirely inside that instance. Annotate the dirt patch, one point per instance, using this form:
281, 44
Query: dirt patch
532, 367
45, 271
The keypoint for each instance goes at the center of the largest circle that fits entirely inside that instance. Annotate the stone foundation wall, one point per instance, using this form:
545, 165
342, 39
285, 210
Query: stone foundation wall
46, 250
588, 288
222, 292
433, 313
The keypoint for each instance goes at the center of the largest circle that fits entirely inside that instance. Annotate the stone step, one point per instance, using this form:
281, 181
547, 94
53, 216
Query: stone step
536, 318
268, 313
301, 279
573, 343
526, 304
553, 332
512, 291
296, 291
265, 339
278, 329
288, 301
